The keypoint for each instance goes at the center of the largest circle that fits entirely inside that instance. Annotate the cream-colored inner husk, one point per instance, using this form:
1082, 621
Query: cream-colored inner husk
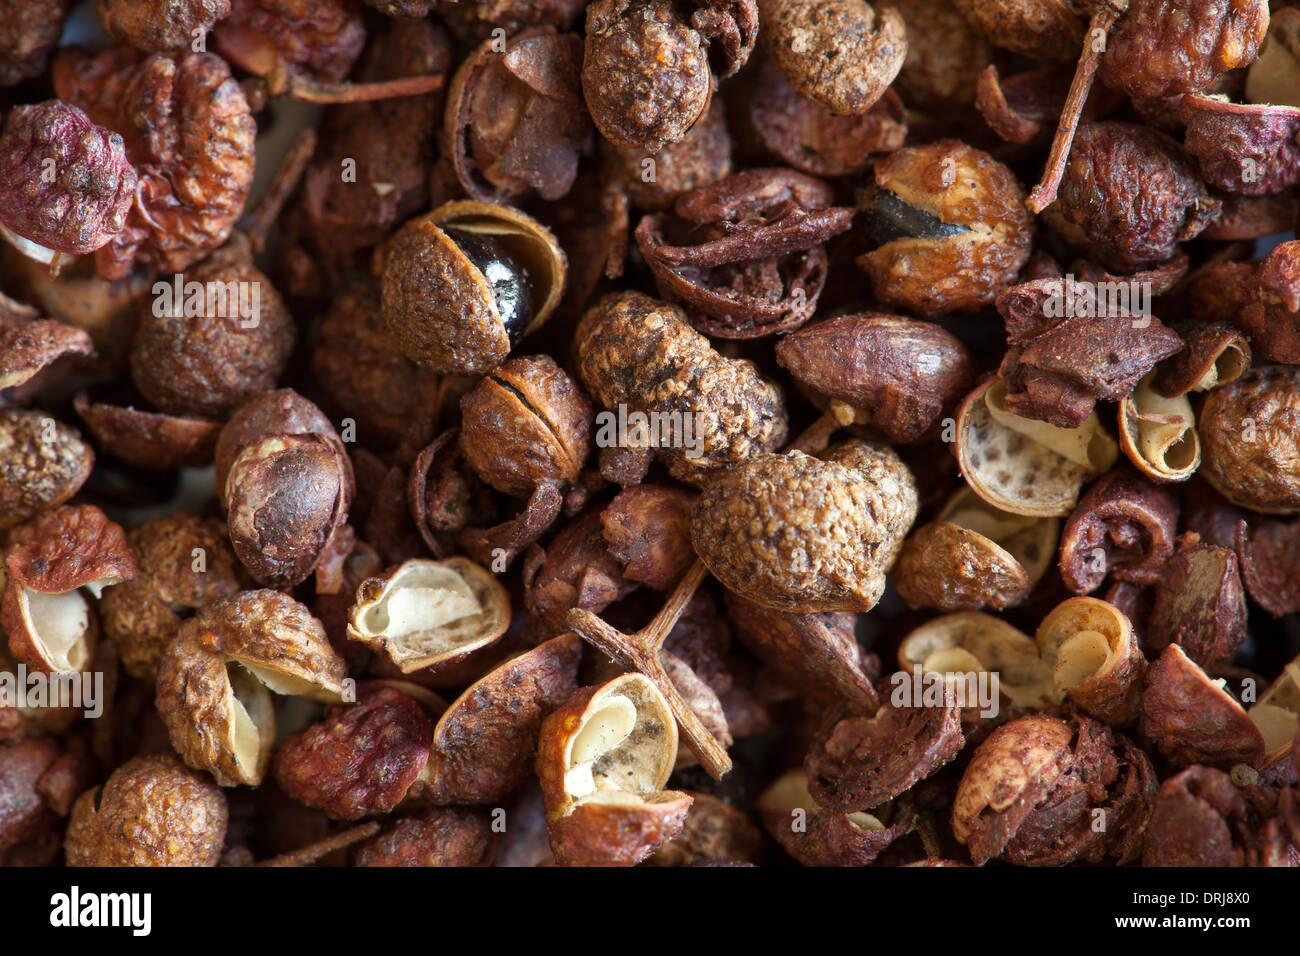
1088, 446
1166, 435
1030, 540
790, 793
426, 610
253, 719
626, 742
60, 622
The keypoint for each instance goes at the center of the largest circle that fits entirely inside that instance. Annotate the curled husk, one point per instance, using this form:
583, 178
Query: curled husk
1250, 446
1024, 466
603, 760
1124, 526
429, 616
816, 836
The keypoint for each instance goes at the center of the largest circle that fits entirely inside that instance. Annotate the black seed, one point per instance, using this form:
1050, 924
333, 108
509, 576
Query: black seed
512, 285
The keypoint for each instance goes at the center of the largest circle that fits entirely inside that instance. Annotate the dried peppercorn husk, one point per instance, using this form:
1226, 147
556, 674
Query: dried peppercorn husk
189, 134
474, 22
1199, 819
637, 352
1124, 526
950, 228
1046, 30
635, 97
700, 157
71, 184
897, 375
944, 55
1241, 148
1250, 448
1269, 552
29, 30
392, 143
1069, 348
1199, 602
321, 37
1192, 719
1128, 197
744, 254
515, 118
157, 26
833, 528
810, 138
1032, 789
1215, 354
1167, 47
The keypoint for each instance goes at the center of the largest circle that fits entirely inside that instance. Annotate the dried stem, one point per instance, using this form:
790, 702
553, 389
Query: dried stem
1044, 193
322, 848
282, 81
258, 224
641, 651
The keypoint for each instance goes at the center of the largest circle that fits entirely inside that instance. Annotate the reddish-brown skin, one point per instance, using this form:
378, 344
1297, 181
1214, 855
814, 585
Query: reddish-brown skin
1196, 821
1167, 47
1244, 149
1204, 345
23, 810
281, 412
29, 29
86, 201
810, 138
474, 22
1191, 719
143, 615
714, 832
446, 836
575, 570
37, 474
361, 759
1038, 29
1128, 197
634, 97
946, 567
860, 762
483, 746
1126, 518
902, 372
603, 835
189, 133
516, 120
1269, 552
700, 157
1255, 465
815, 652
157, 26
648, 529
29, 347
1199, 603
526, 424
830, 839
68, 548
321, 37
148, 439
364, 377
206, 366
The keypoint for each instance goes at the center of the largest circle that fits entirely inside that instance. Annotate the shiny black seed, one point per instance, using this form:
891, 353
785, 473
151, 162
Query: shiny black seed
512, 286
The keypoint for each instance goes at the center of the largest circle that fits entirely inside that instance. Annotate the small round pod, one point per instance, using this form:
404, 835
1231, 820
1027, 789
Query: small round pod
1038, 29
603, 759
526, 424
816, 836
484, 744
1024, 466
949, 227
1250, 439
1277, 715
149, 440
1097, 665
444, 836
43, 463
285, 497
700, 157
841, 54
215, 680
974, 556
185, 561
460, 286
429, 616
830, 530
969, 642
152, 811
1158, 434
645, 73
158, 26
1192, 719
